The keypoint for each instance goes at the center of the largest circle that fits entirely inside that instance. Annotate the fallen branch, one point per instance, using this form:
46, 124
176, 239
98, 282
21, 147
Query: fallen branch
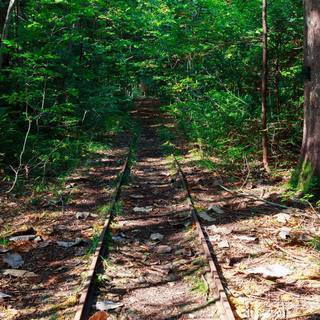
298, 296
243, 194
313, 208
300, 259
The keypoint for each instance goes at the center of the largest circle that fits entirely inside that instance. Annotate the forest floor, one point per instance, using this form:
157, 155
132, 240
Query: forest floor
268, 255
41, 271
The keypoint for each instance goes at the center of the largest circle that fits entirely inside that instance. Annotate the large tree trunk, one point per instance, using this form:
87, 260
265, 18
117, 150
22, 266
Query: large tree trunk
264, 87
309, 164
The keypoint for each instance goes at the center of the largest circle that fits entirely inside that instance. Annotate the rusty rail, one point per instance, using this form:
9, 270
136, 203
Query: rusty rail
84, 304
224, 307
85, 301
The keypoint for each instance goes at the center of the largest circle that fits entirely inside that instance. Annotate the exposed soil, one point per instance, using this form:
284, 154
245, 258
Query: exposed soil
164, 278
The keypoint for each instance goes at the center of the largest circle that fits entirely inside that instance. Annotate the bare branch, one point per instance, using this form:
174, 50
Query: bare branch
16, 171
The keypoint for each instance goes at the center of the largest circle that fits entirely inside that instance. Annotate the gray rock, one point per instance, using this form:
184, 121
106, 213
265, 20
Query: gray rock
141, 280
119, 239
19, 273
23, 238
69, 244
143, 209
220, 230
37, 239
4, 295
137, 196
108, 305
156, 236
14, 260
271, 271
215, 209
282, 217
204, 216
285, 233
82, 215
246, 238
4, 249
223, 244
164, 249
215, 238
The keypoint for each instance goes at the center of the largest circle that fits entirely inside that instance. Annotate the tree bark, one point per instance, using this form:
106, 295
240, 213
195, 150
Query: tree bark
276, 86
309, 164
5, 29
264, 88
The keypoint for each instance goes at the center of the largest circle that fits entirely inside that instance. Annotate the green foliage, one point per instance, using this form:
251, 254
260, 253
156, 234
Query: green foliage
104, 210
94, 242
206, 164
304, 181
199, 285
74, 67
315, 243
213, 84
118, 209
4, 242
168, 147
66, 72
167, 138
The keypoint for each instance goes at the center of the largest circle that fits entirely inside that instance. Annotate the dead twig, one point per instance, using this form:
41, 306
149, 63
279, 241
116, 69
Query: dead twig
299, 296
313, 209
248, 173
16, 171
207, 286
243, 194
289, 254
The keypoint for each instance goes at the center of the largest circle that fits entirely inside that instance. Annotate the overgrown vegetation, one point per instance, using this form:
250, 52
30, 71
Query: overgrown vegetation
62, 86
72, 68
213, 76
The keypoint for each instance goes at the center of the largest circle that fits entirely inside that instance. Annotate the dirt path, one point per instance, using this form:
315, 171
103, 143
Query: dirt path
162, 278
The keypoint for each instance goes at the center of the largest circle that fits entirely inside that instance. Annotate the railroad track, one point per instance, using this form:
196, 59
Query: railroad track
225, 310
148, 241
85, 300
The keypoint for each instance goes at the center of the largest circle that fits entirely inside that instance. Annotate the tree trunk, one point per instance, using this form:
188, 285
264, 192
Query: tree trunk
309, 164
276, 87
264, 87
5, 29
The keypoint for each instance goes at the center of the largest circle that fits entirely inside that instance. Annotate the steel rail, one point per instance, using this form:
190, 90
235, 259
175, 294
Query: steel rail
85, 301
224, 307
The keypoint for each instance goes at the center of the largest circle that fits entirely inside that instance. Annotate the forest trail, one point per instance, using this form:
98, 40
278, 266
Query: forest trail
155, 268
245, 235
239, 128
